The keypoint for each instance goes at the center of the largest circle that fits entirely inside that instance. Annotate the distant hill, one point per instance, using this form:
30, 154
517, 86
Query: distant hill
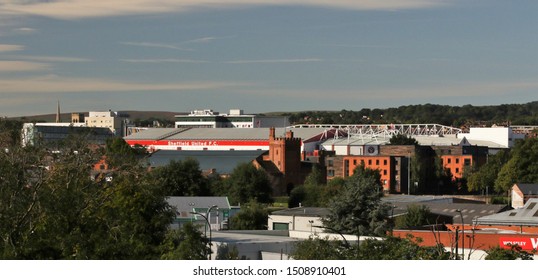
133, 116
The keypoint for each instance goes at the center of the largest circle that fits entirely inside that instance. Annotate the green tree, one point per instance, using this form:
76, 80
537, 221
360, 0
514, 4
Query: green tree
252, 216
119, 153
521, 167
182, 178
487, 174
314, 192
186, 243
416, 216
316, 248
357, 208
394, 248
50, 208
247, 183
390, 248
514, 253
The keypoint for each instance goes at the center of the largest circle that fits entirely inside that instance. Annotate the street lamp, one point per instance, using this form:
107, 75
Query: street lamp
462, 234
206, 218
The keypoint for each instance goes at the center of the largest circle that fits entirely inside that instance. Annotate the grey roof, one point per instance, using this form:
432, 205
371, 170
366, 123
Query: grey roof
222, 161
201, 203
526, 216
469, 211
221, 133
416, 199
303, 211
154, 133
528, 189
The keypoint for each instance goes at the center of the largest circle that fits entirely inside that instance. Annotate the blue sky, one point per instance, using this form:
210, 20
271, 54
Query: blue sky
264, 56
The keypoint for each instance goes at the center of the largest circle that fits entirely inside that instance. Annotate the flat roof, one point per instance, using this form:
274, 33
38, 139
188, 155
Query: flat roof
525, 216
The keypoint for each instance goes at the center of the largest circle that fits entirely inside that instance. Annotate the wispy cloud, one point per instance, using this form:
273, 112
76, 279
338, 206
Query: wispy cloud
155, 45
75, 9
55, 84
10, 48
200, 40
49, 58
21, 66
292, 60
164, 60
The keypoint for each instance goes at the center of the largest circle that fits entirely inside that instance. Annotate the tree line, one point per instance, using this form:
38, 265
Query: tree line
456, 116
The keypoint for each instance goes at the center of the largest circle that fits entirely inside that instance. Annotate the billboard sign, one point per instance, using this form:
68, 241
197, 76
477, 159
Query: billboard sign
526, 243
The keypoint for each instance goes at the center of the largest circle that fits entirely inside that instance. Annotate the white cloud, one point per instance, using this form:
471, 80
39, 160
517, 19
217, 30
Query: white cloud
55, 84
21, 66
10, 48
74, 9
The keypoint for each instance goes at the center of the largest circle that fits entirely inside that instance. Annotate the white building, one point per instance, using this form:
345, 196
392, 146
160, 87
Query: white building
109, 119
236, 118
503, 136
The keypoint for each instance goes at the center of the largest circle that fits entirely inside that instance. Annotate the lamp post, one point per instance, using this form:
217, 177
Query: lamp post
206, 218
462, 234
393, 222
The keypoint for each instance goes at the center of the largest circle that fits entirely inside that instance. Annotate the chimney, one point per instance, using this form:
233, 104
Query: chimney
272, 133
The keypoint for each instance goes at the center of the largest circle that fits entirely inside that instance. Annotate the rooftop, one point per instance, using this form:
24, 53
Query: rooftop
525, 216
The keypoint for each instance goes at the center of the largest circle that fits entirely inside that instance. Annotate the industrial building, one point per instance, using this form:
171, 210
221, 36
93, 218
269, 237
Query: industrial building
235, 119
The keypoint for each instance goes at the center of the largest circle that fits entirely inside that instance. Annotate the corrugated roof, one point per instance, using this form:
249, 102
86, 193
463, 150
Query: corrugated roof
222, 133
526, 216
222, 161
153, 133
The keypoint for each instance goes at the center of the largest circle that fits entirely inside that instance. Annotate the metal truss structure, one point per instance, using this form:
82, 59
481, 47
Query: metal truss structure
387, 130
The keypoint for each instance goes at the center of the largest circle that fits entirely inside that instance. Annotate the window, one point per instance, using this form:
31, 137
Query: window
330, 163
376, 162
457, 161
457, 170
369, 162
384, 172
385, 162
281, 226
330, 172
354, 162
448, 160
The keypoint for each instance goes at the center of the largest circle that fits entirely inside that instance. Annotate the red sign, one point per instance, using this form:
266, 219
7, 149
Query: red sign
526, 243
202, 143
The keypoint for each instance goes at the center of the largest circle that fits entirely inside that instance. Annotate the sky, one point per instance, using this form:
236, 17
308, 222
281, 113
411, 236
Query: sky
264, 55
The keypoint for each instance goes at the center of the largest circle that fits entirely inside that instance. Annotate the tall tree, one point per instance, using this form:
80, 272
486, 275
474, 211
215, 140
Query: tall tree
247, 183
182, 178
252, 216
487, 174
186, 243
357, 209
521, 168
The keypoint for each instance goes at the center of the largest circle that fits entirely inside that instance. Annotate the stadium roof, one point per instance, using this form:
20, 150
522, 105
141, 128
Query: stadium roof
222, 133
